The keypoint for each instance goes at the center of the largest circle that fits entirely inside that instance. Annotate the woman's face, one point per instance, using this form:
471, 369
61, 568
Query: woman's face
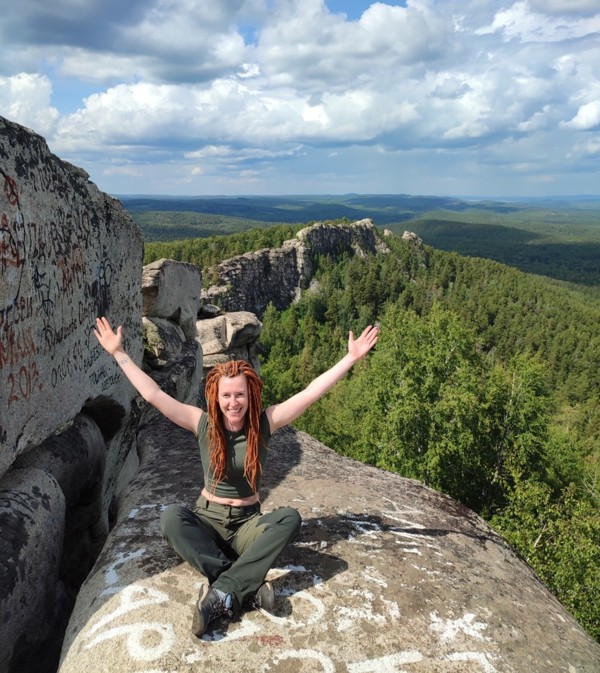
233, 400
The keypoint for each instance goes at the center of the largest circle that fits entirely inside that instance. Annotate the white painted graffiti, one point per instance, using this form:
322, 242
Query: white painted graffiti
139, 634
326, 664
450, 628
111, 576
149, 641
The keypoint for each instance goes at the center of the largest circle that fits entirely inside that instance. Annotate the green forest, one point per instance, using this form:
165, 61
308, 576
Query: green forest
484, 384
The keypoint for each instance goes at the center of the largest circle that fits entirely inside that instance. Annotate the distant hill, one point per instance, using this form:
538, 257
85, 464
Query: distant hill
383, 208
556, 237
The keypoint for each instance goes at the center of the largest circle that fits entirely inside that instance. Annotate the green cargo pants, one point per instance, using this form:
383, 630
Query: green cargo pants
233, 547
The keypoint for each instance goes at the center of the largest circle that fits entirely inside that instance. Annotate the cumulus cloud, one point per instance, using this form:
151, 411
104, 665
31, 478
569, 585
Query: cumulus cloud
521, 21
25, 97
205, 85
587, 117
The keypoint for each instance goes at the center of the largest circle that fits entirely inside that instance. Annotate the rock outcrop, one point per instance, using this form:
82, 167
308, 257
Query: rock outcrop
68, 253
171, 290
231, 336
386, 576
251, 281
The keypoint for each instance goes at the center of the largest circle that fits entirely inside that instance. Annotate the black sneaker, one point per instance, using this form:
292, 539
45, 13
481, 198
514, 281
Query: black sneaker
264, 597
209, 606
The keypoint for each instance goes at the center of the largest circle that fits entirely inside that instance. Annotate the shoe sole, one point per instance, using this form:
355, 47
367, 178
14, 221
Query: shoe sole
198, 625
267, 598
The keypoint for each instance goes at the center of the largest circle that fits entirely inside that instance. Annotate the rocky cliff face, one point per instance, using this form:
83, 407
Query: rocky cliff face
249, 282
68, 253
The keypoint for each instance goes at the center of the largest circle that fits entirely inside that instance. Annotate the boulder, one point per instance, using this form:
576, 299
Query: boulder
231, 336
411, 237
68, 253
171, 290
33, 599
386, 576
163, 341
76, 459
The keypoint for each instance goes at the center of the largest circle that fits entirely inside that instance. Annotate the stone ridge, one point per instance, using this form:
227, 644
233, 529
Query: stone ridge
251, 281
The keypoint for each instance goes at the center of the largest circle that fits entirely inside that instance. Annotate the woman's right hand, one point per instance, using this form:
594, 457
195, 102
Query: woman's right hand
109, 340
185, 415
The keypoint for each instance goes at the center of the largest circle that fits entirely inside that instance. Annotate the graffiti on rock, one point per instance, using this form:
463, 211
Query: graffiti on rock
55, 279
151, 641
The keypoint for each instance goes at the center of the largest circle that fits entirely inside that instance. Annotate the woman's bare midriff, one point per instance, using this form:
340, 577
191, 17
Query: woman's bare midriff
232, 502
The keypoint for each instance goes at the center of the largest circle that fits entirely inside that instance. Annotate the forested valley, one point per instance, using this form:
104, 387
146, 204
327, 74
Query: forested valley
485, 385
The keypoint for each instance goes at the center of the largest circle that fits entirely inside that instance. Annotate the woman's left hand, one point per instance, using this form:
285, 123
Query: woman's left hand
358, 348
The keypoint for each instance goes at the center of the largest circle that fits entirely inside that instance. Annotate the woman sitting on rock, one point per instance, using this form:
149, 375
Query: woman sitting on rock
225, 536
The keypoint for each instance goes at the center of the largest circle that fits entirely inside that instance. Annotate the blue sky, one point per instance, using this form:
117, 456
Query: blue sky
203, 97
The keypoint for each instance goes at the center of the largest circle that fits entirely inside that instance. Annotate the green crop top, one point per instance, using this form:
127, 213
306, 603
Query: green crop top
234, 484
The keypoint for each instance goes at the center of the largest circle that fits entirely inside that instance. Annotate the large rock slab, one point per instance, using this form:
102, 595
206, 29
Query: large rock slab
68, 253
387, 576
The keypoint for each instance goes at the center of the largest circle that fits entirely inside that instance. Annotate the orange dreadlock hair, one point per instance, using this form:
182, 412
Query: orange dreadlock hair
216, 431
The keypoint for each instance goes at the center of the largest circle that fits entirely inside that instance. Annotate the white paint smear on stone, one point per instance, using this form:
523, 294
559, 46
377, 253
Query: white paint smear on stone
402, 509
129, 602
425, 570
192, 657
327, 665
137, 639
450, 628
392, 607
387, 664
111, 576
370, 573
348, 617
479, 657
136, 510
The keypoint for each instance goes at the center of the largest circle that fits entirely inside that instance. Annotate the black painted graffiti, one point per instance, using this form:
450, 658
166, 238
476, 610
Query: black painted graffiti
100, 288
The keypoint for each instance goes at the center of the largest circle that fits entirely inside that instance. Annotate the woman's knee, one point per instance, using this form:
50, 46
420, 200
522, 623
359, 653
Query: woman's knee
172, 518
291, 518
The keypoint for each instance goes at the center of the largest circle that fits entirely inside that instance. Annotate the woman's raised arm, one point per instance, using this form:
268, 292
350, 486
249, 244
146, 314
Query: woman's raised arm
285, 412
184, 415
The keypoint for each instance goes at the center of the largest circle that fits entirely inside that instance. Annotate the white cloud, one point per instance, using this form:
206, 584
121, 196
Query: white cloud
586, 149
568, 7
520, 22
202, 86
539, 120
25, 99
304, 47
587, 117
